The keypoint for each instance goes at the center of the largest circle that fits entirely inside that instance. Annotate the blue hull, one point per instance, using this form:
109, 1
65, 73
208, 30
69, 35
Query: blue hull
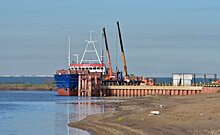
66, 83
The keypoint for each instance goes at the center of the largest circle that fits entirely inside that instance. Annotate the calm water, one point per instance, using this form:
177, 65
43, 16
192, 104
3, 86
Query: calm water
44, 113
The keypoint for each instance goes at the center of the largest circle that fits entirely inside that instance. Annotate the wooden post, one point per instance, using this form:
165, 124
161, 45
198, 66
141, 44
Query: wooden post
79, 85
89, 92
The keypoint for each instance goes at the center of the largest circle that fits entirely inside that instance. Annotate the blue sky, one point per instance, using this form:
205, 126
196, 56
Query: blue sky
160, 37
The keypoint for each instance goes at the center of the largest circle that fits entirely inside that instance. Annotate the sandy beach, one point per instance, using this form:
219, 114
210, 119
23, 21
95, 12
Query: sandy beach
191, 115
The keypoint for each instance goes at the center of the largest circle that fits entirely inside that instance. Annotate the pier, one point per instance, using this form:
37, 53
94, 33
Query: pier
139, 91
90, 85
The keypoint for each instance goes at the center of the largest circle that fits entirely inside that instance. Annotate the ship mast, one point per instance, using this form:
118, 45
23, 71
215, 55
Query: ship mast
90, 54
68, 46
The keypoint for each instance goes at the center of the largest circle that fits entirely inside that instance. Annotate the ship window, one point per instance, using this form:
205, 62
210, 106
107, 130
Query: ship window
98, 68
79, 68
94, 68
87, 68
82, 68
90, 68
101, 68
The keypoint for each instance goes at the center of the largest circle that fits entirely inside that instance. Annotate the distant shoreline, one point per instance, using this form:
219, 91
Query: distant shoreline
28, 87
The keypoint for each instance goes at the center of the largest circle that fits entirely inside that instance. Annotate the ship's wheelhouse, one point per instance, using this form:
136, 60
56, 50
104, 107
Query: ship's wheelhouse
100, 68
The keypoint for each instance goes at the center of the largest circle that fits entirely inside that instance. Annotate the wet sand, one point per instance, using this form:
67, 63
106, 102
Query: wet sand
191, 115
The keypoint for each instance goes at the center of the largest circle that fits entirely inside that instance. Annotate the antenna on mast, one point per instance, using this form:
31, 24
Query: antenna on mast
90, 35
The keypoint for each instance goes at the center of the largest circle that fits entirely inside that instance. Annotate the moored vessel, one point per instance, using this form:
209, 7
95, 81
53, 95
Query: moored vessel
66, 84
67, 80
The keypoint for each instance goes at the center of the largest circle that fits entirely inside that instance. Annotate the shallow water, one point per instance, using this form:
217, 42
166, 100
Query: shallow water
44, 113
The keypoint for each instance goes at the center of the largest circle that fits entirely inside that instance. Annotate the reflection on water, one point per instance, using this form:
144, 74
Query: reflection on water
81, 109
35, 113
